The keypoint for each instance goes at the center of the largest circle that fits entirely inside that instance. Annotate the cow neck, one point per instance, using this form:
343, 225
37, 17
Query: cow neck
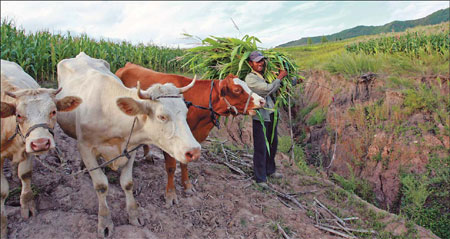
206, 95
134, 133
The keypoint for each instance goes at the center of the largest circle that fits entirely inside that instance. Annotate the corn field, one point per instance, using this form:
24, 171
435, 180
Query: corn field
413, 44
39, 53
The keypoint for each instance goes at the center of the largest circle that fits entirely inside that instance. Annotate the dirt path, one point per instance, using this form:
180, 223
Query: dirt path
225, 205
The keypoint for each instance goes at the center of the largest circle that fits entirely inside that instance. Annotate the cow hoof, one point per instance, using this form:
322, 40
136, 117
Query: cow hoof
28, 209
137, 221
171, 199
135, 218
4, 229
149, 159
105, 227
190, 191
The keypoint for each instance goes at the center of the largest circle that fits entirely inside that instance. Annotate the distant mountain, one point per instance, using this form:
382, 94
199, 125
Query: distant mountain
396, 26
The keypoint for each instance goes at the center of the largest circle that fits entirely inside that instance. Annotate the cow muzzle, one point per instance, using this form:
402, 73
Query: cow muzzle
262, 102
41, 144
258, 101
192, 154
39, 140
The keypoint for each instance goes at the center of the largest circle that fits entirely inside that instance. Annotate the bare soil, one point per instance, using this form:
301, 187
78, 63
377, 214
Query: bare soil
225, 205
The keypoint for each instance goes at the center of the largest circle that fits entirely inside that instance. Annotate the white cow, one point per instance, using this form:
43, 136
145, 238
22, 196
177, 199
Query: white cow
28, 116
103, 123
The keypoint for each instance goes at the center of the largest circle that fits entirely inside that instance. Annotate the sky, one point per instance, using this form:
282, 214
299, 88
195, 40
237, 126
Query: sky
163, 23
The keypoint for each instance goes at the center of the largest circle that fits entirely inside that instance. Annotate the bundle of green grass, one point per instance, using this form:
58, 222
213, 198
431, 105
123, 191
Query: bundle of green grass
219, 56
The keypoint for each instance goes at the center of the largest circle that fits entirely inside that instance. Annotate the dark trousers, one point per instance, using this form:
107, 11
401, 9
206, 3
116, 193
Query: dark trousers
263, 162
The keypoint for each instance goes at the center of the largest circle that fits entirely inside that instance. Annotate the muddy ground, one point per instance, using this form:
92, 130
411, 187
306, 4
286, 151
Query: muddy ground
225, 205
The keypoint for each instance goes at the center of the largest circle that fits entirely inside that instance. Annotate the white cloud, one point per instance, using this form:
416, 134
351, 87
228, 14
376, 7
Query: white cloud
414, 10
163, 23
307, 6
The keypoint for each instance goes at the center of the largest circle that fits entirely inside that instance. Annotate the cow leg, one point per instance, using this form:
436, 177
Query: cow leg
126, 182
171, 194
27, 205
147, 155
188, 188
100, 181
4, 195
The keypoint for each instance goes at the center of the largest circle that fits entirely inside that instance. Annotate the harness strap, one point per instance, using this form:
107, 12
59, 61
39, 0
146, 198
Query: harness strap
247, 103
44, 125
213, 114
125, 153
234, 108
19, 132
167, 96
229, 106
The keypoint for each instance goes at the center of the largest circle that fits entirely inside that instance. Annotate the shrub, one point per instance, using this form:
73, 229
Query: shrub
318, 117
355, 185
425, 197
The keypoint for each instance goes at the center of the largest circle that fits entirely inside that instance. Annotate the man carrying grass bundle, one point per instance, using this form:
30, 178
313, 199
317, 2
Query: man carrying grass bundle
263, 159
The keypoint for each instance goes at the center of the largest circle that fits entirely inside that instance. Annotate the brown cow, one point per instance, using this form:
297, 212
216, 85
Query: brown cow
230, 96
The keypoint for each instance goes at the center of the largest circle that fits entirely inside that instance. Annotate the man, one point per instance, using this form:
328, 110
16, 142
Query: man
263, 162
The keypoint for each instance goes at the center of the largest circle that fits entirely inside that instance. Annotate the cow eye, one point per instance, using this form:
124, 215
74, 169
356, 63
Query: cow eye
20, 117
53, 113
237, 90
163, 118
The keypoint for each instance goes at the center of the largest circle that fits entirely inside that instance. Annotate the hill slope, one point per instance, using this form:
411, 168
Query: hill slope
396, 26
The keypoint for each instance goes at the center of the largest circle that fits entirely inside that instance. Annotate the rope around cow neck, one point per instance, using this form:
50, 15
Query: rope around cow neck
213, 114
125, 153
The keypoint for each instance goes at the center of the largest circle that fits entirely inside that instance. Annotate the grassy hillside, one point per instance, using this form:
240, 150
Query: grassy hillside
395, 26
322, 56
420, 53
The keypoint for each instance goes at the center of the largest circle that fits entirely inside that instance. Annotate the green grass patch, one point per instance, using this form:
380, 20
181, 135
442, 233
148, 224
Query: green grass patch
313, 56
355, 185
317, 117
351, 65
426, 198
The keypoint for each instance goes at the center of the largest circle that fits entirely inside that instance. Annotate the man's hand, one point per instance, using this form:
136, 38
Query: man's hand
282, 74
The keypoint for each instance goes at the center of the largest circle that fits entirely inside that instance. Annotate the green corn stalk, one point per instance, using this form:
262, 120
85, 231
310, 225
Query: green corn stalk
411, 44
39, 53
219, 56
261, 119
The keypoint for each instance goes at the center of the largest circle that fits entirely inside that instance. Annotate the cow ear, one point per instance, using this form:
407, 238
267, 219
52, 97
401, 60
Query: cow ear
7, 109
68, 103
129, 106
223, 88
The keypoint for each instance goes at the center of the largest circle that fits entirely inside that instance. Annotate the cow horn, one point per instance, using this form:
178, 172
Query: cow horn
55, 92
139, 93
11, 94
184, 89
